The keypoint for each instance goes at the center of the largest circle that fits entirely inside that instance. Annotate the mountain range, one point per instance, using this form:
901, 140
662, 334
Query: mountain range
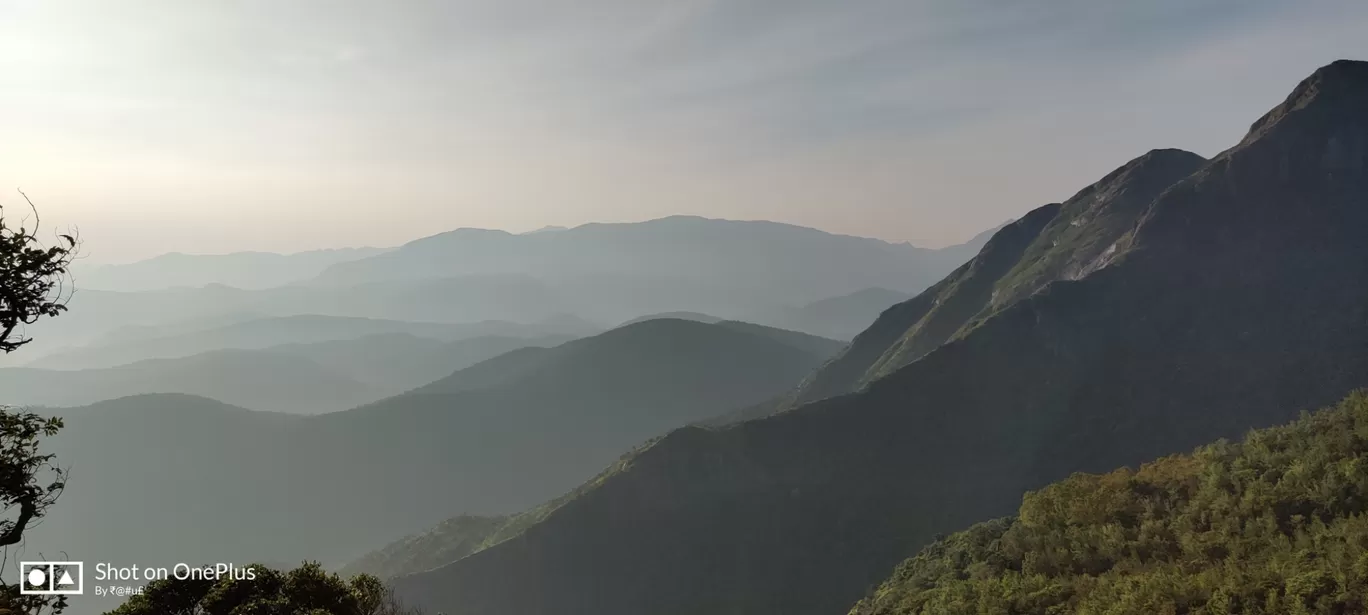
182, 478
780, 259
599, 273
786, 421
1174, 302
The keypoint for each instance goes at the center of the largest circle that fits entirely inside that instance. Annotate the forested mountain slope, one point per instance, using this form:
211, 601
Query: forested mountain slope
1273, 524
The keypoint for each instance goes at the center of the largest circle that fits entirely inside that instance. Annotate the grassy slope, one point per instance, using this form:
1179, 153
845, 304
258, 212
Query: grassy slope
446, 542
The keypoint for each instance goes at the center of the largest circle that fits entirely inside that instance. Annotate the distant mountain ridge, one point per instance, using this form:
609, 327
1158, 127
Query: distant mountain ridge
1232, 299
262, 333
602, 273
781, 258
250, 270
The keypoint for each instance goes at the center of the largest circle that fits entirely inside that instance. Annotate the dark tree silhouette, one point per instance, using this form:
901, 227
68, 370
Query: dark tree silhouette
32, 277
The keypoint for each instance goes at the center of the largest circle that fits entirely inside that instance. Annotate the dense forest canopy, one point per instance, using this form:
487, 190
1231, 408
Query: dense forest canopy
1271, 525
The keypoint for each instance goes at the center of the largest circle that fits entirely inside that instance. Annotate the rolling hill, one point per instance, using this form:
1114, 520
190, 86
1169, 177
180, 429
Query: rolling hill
260, 380
1233, 299
694, 316
162, 478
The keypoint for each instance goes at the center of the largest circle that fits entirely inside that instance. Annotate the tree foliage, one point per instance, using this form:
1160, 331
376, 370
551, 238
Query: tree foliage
31, 277
306, 590
31, 287
1272, 525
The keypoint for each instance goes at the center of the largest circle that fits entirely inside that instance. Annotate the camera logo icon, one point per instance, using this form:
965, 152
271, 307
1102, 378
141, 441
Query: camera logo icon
52, 578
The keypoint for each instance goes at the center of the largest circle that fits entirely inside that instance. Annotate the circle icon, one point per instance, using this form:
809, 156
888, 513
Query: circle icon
37, 578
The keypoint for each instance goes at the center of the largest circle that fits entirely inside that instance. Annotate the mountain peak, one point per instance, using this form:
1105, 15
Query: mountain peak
1350, 74
1335, 92
1157, 166
1166, 155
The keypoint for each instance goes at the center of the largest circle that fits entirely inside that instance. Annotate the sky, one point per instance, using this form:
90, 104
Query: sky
206, 127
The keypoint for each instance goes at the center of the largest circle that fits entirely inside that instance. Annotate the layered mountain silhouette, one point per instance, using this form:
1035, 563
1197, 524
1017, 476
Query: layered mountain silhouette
260, 380
295, 378
261, 333
1181, 310
176, 478
96, 314
602, 273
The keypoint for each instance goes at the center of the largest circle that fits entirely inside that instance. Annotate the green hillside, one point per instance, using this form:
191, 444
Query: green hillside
446, 542
1234, 299
1271, 525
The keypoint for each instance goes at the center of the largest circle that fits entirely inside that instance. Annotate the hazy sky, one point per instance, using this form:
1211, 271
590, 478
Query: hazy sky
217, 125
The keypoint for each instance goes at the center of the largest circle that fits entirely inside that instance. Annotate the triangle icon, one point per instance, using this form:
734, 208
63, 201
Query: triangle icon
65, 579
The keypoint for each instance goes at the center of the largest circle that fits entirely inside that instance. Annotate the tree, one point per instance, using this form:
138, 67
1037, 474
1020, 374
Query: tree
32, 277
306, 590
